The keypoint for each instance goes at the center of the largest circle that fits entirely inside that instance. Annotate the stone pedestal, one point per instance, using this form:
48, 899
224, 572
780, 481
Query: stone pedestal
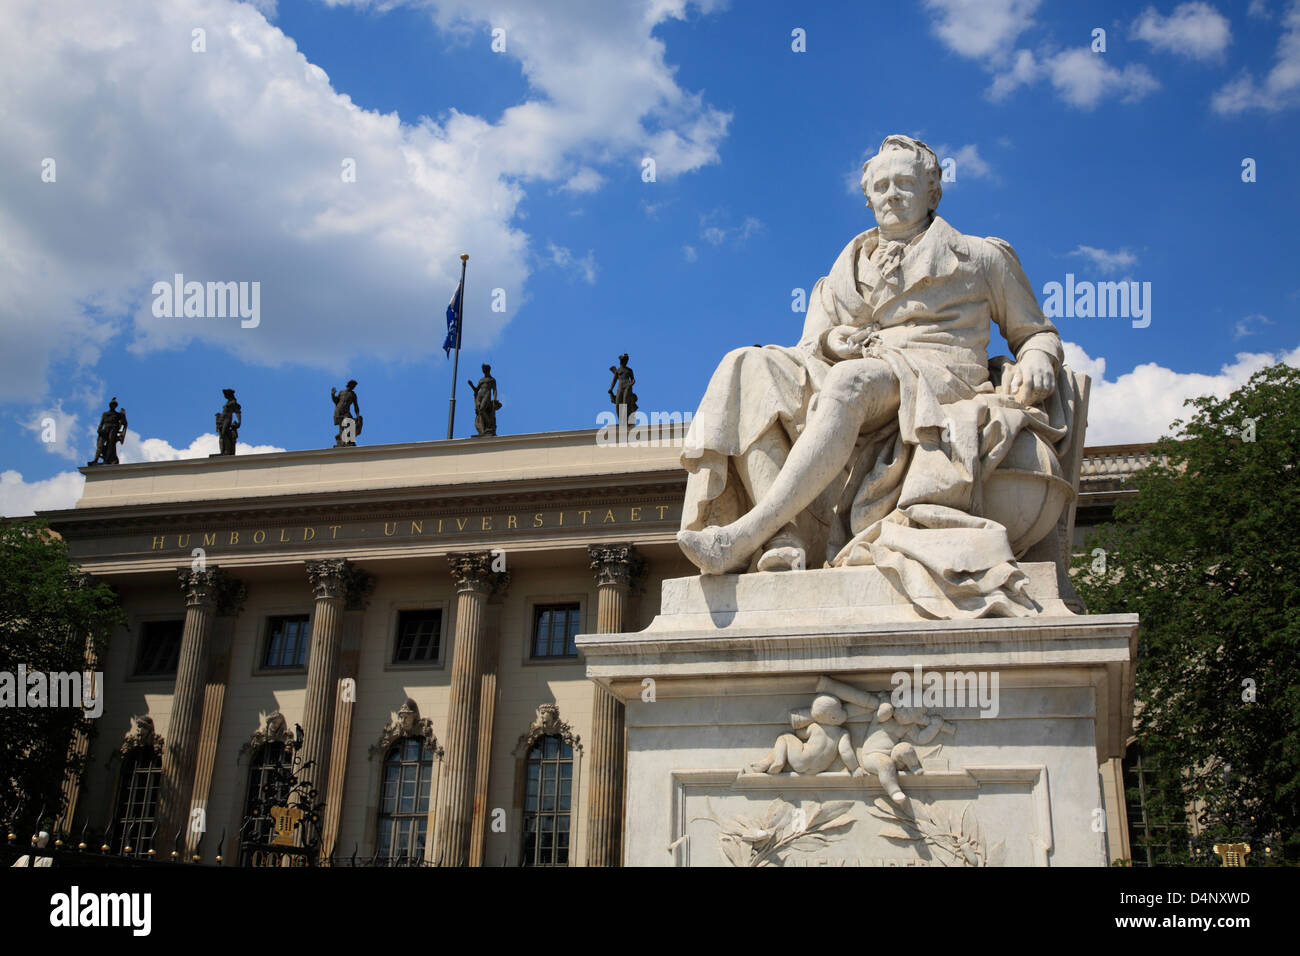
1028, 709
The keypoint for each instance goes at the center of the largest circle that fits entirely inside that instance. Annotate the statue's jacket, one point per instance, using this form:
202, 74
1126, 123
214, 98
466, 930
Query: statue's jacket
954, 425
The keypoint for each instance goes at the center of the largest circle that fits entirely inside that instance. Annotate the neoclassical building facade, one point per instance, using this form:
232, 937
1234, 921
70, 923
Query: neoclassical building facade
402, 617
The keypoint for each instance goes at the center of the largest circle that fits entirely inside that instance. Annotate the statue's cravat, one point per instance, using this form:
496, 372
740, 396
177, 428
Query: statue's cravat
889, 260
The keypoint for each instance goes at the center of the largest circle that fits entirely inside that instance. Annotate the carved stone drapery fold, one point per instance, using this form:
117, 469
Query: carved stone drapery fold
141, 734
472, 571
274, 730
212, 587
407, 723
547, 723
616, 564
340, 579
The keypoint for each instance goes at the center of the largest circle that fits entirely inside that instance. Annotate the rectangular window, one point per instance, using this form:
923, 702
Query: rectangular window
1149, 837
287, 640
160, 648
137, 802
548, 792
554, 628
419, 637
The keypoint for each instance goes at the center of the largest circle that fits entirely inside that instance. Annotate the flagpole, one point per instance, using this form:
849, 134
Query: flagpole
455, 367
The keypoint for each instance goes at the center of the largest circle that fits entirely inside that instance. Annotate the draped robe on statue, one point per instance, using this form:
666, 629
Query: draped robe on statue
910, 499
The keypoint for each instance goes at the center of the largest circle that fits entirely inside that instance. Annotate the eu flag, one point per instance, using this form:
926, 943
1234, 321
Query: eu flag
453, 321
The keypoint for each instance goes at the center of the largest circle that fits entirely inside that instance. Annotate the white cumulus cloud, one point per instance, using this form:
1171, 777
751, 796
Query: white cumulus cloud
981, 29
1196, 30
967, 163
1280, 87
1083, 79
1139, 406
1105, 260
19, 497
56, 430
987, 31
244, 164
584, 267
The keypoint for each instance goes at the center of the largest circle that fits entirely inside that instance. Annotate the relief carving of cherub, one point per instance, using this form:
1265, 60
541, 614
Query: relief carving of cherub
888, 745
820, 739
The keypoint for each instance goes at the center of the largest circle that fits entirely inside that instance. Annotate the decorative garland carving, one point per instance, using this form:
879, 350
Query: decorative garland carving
141, 734
407, 723
274, 730
547, 723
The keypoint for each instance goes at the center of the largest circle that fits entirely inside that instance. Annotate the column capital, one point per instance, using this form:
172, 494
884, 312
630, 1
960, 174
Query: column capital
213, 588
473, 571
338, 579
616, 564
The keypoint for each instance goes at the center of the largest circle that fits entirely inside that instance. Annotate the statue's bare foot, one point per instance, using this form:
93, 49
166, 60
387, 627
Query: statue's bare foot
782, 559
712, 550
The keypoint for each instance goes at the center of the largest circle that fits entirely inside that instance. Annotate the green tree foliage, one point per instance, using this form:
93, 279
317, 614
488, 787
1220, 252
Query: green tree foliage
50, 614
1208, 553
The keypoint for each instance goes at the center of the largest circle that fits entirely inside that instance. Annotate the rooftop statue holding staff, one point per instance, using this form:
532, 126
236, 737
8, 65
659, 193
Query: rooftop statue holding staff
868, 442
229, 420
486, 405
620, 390
111, 433
347, 415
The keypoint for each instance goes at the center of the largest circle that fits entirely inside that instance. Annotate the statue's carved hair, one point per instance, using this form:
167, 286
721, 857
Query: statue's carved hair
929, 165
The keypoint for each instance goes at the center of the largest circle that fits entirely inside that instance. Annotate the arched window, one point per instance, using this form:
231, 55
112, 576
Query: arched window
548, 799
404, 800
137, 801
266, 781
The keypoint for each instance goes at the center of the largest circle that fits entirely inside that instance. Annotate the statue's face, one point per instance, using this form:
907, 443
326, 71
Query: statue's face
897, 189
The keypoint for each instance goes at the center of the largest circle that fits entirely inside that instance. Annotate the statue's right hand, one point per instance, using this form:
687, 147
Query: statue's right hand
840, 344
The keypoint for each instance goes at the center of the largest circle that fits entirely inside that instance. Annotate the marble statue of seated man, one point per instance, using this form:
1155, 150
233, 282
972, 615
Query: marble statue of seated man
867, 442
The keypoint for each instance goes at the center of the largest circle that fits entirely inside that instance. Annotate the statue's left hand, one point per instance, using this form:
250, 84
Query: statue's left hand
1033, 378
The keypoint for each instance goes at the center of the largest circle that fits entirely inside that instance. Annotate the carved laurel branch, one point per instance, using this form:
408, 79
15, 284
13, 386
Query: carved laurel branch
962, 840
760, 841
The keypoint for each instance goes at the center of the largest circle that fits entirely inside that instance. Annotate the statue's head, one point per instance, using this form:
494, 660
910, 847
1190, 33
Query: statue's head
352, 383
622, 359
487, 369
828, 710
910, 715
902, 182
229, 393
112, 403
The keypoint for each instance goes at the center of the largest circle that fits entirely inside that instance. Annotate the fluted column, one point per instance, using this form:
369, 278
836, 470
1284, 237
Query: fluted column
337, 584
475, 582
486, 716
80, 744
207, 591
616, 567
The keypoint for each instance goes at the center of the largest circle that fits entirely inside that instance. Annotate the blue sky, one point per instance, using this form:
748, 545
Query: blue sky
225, 164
